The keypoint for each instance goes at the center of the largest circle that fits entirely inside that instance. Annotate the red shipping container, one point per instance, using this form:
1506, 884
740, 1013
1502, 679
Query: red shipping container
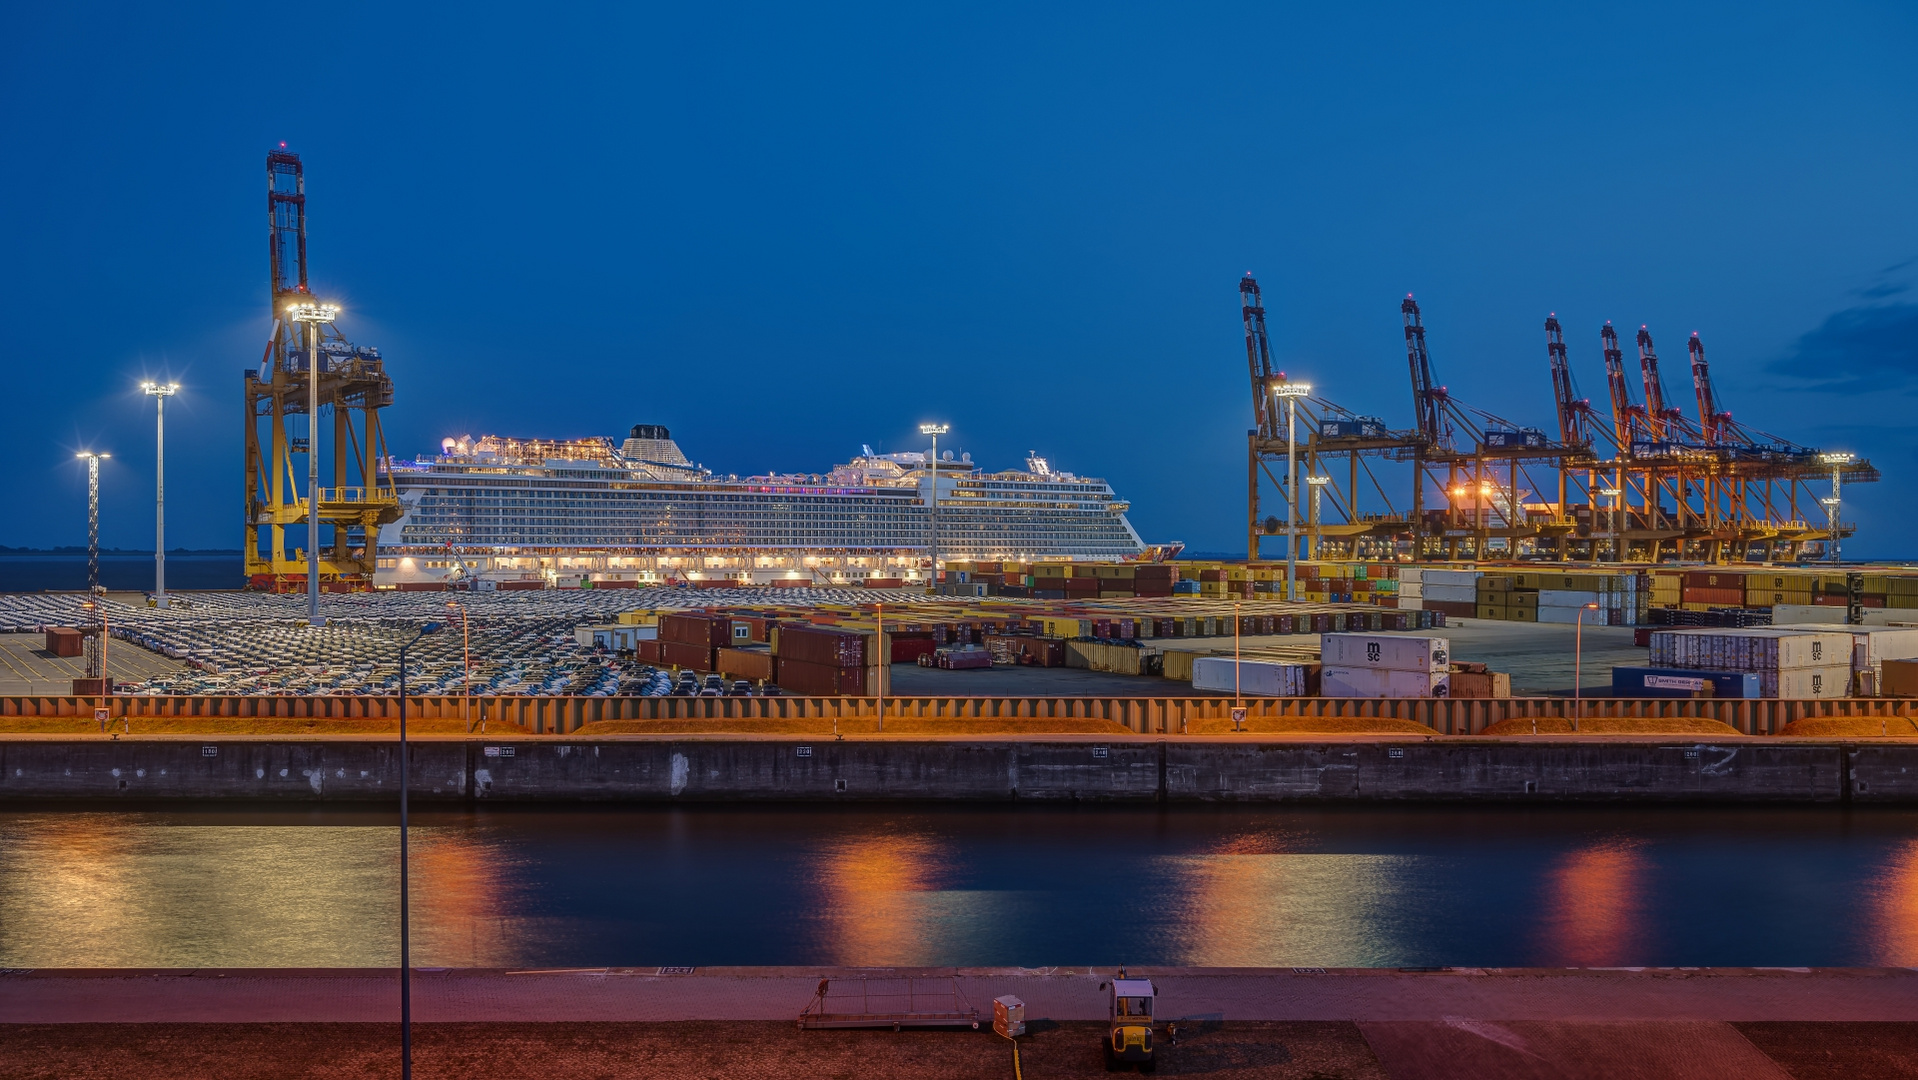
696, 630
1714, 579
682, 654
885, 583
1726, 597
908, 648
745, 664
65, 641
648, 651
817, 645
820, 680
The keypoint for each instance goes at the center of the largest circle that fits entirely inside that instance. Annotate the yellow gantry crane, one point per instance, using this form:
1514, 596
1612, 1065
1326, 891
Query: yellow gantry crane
352, 385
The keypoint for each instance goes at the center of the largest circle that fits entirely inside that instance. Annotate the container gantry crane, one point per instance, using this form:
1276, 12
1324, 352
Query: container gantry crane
352, 382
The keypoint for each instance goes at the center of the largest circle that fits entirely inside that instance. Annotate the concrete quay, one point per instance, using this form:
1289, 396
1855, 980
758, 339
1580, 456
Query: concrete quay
1087, 768
1709, 1024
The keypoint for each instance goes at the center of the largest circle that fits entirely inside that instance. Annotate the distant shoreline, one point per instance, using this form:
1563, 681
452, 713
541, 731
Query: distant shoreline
43, 553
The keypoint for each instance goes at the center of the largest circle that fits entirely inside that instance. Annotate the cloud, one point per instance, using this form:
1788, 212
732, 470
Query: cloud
1857, 349
1879, 292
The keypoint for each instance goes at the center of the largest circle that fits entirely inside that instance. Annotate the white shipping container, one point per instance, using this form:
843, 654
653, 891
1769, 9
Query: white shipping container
1807, 616
1383, 683
1455, 594
1412, 589
1871, 646
1749, 649
1414, 604
1806, 683
1391, 652
1414, 574
1569, 615
1257, 678
1467, 578
1567, 598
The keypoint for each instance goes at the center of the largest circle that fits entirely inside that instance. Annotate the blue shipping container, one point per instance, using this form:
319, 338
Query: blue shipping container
1650, 682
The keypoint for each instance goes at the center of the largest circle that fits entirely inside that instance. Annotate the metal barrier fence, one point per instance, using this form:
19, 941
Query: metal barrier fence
1146, 716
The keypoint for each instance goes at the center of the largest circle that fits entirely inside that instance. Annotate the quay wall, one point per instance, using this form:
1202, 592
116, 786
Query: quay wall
564, 715
1170, 770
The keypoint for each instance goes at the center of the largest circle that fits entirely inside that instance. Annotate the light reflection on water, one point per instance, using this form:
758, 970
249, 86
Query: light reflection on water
1216, 886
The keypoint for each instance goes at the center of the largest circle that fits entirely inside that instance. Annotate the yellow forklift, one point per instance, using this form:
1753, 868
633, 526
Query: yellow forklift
1129, 1024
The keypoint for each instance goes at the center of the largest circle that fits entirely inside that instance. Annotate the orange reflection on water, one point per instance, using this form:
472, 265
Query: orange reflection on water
1283, 909
875, 887
1594, 907
1894, 909
457, 902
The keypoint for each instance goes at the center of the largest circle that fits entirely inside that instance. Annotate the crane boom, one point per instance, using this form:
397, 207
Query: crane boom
1625, 414
1258, 356
1425, 396
1711, 422
1654, 384
1571, 411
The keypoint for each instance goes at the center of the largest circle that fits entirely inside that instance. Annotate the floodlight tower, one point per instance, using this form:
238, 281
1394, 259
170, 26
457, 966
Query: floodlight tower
1837, 461
159, 392
935, 430
1291, 392
312, 316
93, 548
1618, 538
1317, 484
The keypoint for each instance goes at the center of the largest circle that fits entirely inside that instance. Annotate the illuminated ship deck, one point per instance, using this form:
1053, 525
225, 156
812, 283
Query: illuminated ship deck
585, 509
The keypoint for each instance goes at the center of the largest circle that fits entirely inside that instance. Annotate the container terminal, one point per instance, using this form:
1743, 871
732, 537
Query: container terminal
1682, 547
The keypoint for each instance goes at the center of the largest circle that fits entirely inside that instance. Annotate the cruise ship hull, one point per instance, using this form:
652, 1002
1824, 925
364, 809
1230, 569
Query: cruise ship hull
645, 515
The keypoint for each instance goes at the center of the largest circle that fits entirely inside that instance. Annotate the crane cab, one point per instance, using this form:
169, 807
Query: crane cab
1129, 1024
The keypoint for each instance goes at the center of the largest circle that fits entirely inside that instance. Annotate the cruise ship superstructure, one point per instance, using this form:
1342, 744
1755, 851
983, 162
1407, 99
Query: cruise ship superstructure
589, 510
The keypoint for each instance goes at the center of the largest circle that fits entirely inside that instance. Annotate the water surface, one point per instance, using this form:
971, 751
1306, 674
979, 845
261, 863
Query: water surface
917, 885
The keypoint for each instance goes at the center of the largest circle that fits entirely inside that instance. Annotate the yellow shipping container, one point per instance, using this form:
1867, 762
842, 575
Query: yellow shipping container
1491, 611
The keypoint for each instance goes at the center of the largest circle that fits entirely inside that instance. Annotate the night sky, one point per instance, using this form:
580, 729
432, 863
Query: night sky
786, 231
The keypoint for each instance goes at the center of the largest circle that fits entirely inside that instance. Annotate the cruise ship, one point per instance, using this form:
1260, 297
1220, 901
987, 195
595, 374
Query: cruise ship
582, 512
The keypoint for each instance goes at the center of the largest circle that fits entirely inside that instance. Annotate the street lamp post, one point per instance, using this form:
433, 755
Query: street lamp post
406, 959
1837, 462
159, 392
313, 316
1578, 659
466, 679
1291, 392
935, 430
1238, 666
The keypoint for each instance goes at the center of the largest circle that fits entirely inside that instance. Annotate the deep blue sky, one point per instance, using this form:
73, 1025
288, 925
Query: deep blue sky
784, 231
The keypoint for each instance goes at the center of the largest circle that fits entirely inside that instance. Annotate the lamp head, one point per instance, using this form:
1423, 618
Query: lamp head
1837, 458
309, 312
160, 389
1591, 607
429, 628
934, 429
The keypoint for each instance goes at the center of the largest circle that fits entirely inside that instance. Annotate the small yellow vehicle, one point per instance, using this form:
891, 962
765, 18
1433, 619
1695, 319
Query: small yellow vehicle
1129, 1024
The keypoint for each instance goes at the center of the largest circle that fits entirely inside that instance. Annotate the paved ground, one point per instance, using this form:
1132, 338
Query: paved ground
27, 668
737, 1024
